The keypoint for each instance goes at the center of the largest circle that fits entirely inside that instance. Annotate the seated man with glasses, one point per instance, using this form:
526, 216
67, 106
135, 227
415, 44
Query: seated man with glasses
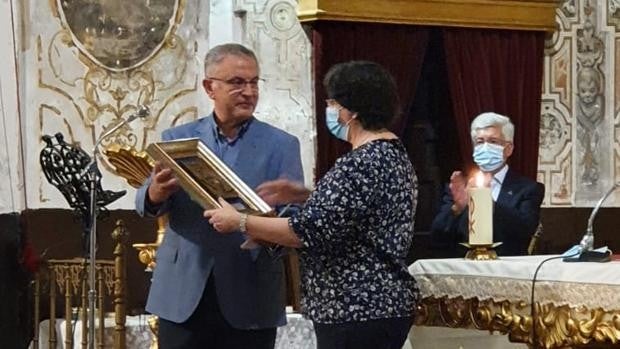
517, 199
206, 290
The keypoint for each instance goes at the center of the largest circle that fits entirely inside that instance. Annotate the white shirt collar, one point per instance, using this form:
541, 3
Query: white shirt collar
501, 175
497, 181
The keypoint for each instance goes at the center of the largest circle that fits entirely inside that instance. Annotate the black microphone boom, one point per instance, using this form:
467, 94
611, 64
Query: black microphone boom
142, 112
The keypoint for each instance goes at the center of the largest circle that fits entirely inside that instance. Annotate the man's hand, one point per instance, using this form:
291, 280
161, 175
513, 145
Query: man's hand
163, 184
282, 191
458, 188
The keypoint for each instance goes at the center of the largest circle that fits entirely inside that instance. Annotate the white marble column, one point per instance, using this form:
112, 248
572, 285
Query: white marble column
11, 169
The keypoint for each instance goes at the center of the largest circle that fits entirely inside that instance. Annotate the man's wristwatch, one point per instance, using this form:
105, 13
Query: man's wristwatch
242, 223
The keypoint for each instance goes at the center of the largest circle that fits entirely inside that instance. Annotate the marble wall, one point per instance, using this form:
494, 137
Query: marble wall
68, 75
12, 191
84, 65
580, 124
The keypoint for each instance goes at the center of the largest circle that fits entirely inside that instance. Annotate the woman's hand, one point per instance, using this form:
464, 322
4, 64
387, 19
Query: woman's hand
282, 191
225, 219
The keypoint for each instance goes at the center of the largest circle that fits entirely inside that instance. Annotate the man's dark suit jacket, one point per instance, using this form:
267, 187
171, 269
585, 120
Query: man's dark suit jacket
515, 217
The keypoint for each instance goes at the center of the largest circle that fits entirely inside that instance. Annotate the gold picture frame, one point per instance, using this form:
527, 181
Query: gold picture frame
205, 177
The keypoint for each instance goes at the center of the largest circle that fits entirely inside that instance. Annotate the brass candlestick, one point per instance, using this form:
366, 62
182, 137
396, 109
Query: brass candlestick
481, 252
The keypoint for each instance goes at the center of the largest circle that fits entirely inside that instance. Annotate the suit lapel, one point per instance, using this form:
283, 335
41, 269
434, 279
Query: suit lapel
205, 131
252, 140
508, 191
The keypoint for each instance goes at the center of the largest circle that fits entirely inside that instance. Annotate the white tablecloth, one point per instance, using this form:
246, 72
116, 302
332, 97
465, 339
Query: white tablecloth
592, 285
297, 334
138, 334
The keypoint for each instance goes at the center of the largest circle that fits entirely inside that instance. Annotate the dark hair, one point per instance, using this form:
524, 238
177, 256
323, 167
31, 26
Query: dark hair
218, 53
365, 88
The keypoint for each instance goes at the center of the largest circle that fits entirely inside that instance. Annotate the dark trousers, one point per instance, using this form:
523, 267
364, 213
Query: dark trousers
373, 334
208, 329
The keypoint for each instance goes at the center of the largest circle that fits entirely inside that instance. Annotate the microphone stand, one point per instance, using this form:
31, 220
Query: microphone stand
586, 245
92, 170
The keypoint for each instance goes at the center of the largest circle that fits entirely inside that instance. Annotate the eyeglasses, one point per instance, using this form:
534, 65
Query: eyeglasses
239, 83
495, 141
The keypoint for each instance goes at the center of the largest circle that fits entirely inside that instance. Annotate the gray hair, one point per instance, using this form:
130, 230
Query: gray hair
489, 119
218, 53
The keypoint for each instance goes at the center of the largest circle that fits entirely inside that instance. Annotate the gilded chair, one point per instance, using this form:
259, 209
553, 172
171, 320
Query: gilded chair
65, 283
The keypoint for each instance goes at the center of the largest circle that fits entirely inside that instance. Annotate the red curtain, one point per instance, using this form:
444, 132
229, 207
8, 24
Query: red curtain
500, 71
399, 48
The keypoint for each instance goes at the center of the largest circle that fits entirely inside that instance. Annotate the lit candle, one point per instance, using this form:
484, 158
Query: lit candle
480, 213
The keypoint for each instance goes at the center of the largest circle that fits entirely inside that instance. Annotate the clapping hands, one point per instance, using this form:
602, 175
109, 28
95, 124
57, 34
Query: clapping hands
459, 186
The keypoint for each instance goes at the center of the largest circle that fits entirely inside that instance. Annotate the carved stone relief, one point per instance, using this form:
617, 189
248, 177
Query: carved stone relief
579, 58
271, 28
115, 34
554, 166
88, 64
93, 63
613, 13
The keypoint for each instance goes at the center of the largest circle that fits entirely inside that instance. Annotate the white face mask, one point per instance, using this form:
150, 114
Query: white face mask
337, 129
489, 157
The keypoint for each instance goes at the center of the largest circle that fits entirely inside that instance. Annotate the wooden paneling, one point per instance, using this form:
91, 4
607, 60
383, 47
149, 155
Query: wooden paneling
505, 14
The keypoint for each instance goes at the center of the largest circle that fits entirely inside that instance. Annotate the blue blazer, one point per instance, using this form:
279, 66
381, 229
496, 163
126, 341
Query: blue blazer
249, 284
516, 214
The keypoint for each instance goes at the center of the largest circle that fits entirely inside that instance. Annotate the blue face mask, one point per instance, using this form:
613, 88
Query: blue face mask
489, 157
336, 128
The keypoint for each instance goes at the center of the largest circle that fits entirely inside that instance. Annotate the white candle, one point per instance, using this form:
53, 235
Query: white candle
480, 214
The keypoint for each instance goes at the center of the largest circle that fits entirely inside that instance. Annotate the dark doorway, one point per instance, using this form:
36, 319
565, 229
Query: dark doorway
431, 140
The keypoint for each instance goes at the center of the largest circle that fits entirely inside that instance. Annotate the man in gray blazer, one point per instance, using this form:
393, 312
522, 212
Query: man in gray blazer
206, 290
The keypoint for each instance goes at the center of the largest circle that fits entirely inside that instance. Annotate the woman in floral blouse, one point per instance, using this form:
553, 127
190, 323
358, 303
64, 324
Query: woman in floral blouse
355, 229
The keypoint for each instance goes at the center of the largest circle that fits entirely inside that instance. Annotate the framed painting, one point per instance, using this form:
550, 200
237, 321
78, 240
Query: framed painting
205, 177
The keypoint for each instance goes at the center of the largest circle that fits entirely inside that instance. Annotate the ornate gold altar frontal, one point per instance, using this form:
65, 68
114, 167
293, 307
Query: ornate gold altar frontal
556, 326
574, 304
502, 14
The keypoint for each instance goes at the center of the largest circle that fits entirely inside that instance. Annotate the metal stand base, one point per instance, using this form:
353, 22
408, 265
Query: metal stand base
481, 252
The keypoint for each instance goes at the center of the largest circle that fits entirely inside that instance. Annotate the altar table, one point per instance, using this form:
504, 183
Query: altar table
574, 303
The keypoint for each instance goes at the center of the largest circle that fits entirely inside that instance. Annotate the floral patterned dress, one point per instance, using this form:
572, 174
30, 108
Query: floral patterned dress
356, 229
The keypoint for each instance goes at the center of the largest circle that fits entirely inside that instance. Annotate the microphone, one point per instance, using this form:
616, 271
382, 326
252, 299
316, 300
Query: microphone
586, 245
142, 112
